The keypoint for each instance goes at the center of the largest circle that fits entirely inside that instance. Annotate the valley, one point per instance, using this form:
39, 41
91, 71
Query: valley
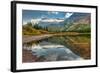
57, 39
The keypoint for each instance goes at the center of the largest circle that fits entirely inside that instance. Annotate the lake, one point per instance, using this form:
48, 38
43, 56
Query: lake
60, 48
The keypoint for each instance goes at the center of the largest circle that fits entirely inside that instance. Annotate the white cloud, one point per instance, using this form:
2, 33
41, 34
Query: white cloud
68, 15
53, 20
25, 21
53, 12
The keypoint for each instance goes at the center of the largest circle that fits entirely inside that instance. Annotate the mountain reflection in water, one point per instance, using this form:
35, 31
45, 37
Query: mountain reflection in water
61, 48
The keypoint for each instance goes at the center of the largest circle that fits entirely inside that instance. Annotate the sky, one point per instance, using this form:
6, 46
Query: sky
28, 15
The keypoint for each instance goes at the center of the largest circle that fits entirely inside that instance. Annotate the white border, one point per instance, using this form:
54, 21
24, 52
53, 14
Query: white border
37, 65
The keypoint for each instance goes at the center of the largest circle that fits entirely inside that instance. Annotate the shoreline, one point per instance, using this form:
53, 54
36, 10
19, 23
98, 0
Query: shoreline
28, 38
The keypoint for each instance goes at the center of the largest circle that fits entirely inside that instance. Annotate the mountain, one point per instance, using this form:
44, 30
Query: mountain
76, 22
85, 20
80, 22
80, 28
76, 17
52, 25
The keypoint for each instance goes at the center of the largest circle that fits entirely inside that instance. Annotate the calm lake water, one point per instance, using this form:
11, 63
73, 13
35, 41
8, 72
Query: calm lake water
59, 48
